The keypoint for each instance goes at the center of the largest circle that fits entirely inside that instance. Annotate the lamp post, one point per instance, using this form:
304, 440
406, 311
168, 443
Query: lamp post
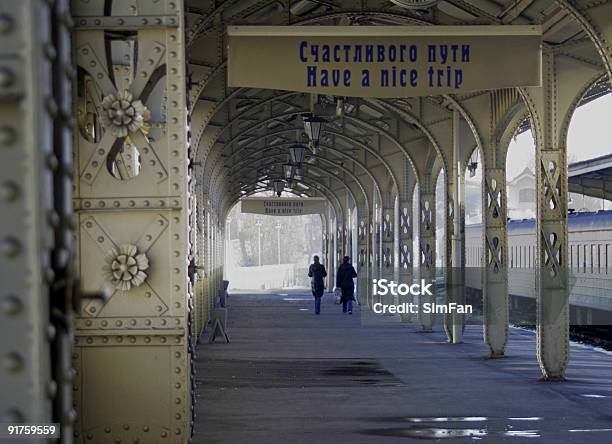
288, 171
278, 228
278, 186
313, 126
297, 153
258, 224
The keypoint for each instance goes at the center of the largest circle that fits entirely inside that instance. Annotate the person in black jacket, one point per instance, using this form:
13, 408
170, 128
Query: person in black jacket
344, 280
316, 273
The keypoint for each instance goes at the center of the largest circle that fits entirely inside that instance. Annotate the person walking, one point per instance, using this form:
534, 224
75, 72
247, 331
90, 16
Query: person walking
316, 273
344, 281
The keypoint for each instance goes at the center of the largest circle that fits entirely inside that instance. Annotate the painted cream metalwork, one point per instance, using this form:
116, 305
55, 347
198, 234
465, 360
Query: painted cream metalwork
162, 148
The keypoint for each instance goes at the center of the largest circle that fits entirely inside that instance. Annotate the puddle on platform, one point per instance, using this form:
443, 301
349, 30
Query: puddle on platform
447, 419
592, 395
527, 418
589, 430
295, 299
429, 432
441, 427
523, 433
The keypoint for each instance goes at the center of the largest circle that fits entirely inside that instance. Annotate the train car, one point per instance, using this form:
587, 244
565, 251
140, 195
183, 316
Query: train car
590, 259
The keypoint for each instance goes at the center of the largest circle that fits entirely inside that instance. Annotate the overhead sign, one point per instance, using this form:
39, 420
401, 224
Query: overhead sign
384, 61
283, 206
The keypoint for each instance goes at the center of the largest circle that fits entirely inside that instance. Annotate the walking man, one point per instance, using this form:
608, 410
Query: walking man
344, 280
316, 273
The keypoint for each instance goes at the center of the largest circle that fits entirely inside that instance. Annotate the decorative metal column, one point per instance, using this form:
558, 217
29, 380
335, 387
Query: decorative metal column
37, 279
427, 246
405, 247
551, 230
132, 357
387, 228
495, 267
388, 240
201, 289
455, 229
363, 257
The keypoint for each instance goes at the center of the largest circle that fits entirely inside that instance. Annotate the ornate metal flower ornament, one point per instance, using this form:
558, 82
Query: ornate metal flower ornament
125, 267
122, 114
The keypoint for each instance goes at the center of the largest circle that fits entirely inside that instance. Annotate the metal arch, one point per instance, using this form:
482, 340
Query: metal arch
217, 108
565, 122
346, 171
268, 134
200, 31
326, 174
367, 125
356, 162
468, 118
398, 115
327, 192
413, 119
313, 182
366, 148
603, 47
507, 128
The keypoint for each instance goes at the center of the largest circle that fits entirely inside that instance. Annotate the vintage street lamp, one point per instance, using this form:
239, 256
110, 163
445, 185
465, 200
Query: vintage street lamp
297, 153
288, 171
297, 173
278, 185
313, 126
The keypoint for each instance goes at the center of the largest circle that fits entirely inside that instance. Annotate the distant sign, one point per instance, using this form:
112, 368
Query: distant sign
282, 206
384, 61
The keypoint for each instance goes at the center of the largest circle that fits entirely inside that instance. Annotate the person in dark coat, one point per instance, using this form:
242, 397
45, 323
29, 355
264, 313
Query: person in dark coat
344, 281
316, 273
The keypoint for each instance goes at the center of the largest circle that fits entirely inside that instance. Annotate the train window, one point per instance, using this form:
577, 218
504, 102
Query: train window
593, 258
600, 259
584, 258
578, 257
529, 256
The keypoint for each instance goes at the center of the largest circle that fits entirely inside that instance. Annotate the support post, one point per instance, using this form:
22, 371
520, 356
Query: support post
551, 230
455, 257
131, 184
427, 246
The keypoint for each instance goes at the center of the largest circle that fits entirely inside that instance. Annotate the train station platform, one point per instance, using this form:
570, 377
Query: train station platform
290, 376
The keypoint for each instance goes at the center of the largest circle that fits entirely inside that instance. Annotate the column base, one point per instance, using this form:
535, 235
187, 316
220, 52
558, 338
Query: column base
552, 379
494, 355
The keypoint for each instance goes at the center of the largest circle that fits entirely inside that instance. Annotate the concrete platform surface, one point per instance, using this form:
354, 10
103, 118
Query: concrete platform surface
289, 376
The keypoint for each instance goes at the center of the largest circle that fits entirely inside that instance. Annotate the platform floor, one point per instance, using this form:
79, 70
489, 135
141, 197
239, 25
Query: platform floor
289, 376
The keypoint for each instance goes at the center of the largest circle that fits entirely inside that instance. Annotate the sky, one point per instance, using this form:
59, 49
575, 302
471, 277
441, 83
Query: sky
589, 136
